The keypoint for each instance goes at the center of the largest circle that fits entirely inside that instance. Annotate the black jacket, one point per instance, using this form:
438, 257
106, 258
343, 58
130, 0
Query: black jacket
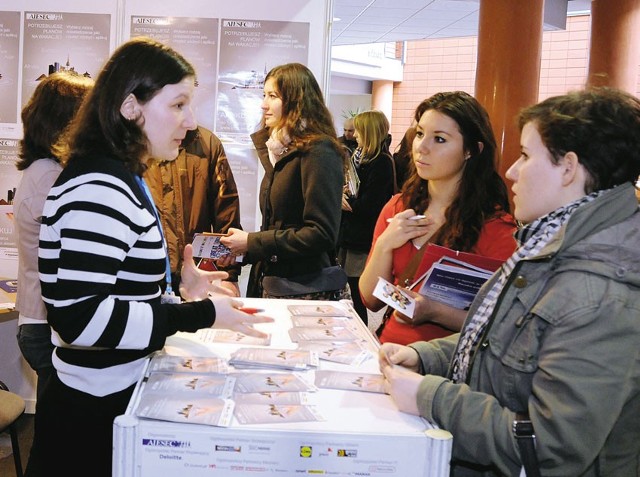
300, 201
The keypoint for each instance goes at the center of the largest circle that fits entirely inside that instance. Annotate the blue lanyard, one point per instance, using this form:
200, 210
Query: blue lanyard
147, 192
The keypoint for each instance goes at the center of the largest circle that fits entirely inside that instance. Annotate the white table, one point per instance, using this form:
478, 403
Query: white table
363, 434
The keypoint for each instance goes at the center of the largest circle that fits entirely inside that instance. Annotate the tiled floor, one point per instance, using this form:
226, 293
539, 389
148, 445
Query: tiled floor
25, 436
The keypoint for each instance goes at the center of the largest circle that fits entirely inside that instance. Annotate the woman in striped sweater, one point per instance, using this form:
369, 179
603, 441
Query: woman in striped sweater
102, 258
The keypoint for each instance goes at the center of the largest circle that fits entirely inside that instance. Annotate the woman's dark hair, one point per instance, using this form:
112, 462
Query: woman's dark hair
141, 67
600, 125
482, 193
403, 157
48, 113
305, 115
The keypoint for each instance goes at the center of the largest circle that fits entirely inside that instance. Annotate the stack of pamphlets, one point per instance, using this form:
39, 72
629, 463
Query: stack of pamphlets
269, 398
367, 382
271, 358
187, 389
167, 363
350, 353
223, 335
324, 310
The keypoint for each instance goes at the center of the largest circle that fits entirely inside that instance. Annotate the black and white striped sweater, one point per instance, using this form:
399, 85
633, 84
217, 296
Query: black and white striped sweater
101, 262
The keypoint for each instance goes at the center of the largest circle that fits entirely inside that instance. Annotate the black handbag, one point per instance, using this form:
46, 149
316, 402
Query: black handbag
328, 279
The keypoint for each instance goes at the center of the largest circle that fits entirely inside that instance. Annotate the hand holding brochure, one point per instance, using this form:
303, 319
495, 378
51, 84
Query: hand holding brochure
455, 285
454, 279
208, 246
394, 296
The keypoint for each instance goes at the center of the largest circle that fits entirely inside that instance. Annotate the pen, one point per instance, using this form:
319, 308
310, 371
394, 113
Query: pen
250, 310
415, 217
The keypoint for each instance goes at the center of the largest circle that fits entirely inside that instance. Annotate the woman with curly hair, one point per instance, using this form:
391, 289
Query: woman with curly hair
457, 188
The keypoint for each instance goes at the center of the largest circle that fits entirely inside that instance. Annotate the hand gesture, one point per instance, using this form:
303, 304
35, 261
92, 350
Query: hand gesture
392, 354
197, 284
403, 228
229, 316
402, 385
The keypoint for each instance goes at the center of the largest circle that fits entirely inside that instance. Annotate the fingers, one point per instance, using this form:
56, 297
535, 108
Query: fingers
187, 254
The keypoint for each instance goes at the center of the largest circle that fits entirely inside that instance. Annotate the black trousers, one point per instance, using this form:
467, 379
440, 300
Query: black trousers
73, 428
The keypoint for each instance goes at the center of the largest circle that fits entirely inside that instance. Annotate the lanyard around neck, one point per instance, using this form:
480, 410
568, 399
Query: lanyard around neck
147, 193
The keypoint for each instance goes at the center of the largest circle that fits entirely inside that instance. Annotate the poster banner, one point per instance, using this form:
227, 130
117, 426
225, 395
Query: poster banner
9, 65
55, 41
197, 40
248, 50
9, 180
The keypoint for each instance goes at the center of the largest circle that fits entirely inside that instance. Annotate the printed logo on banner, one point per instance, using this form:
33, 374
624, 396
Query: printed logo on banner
241, 24
43, 16
347, 453
306, 451
219, 448
165, 443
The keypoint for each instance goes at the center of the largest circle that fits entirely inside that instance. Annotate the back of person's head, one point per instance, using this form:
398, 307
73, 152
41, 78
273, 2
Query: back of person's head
141, 67
404, 148
305, 115
372, 128
481, 192
600, 125
48, 113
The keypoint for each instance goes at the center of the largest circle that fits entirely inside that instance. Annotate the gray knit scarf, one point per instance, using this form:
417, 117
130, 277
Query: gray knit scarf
532, 238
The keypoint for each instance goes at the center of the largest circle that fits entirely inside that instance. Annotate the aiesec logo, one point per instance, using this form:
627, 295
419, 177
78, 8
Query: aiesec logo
166, 443
305, 451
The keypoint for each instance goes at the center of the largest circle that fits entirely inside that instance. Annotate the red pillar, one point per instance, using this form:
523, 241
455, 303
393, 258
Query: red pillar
508, 72
614, 50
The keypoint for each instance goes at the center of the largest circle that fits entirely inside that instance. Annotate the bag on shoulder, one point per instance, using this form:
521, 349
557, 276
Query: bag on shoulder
329, 279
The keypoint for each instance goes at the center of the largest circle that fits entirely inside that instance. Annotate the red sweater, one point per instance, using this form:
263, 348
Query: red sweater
495, 241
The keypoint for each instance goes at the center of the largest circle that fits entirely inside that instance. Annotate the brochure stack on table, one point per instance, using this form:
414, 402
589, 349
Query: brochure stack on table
308, 400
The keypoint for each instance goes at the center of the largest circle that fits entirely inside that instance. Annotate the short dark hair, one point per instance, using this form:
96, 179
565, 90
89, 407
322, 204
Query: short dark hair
601, 125
142, 67
48, 113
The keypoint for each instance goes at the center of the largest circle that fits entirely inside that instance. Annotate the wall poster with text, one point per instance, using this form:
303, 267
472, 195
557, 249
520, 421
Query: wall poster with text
248, 50
9, 65
55, 41
9, 180
197, 40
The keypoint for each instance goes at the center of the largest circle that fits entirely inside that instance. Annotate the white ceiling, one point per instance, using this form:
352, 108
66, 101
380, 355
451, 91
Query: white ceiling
379, 21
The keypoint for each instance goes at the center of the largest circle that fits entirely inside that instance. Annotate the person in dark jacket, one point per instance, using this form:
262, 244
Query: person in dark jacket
348, 138
374, 167
195, 192
301, 192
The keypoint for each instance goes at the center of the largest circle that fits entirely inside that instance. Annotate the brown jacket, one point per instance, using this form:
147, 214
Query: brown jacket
195, 193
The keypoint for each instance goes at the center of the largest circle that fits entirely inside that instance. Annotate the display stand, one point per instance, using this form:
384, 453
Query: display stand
363, 434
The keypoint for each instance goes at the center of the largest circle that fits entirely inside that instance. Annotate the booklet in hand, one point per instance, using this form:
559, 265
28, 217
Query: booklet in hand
455, 277
395, 297
208, 246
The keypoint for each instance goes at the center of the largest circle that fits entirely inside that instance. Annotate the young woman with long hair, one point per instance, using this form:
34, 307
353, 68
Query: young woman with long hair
300, 194
457, 187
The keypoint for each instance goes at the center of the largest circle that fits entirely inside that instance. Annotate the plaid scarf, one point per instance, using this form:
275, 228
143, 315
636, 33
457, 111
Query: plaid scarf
532, 238
357, 158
